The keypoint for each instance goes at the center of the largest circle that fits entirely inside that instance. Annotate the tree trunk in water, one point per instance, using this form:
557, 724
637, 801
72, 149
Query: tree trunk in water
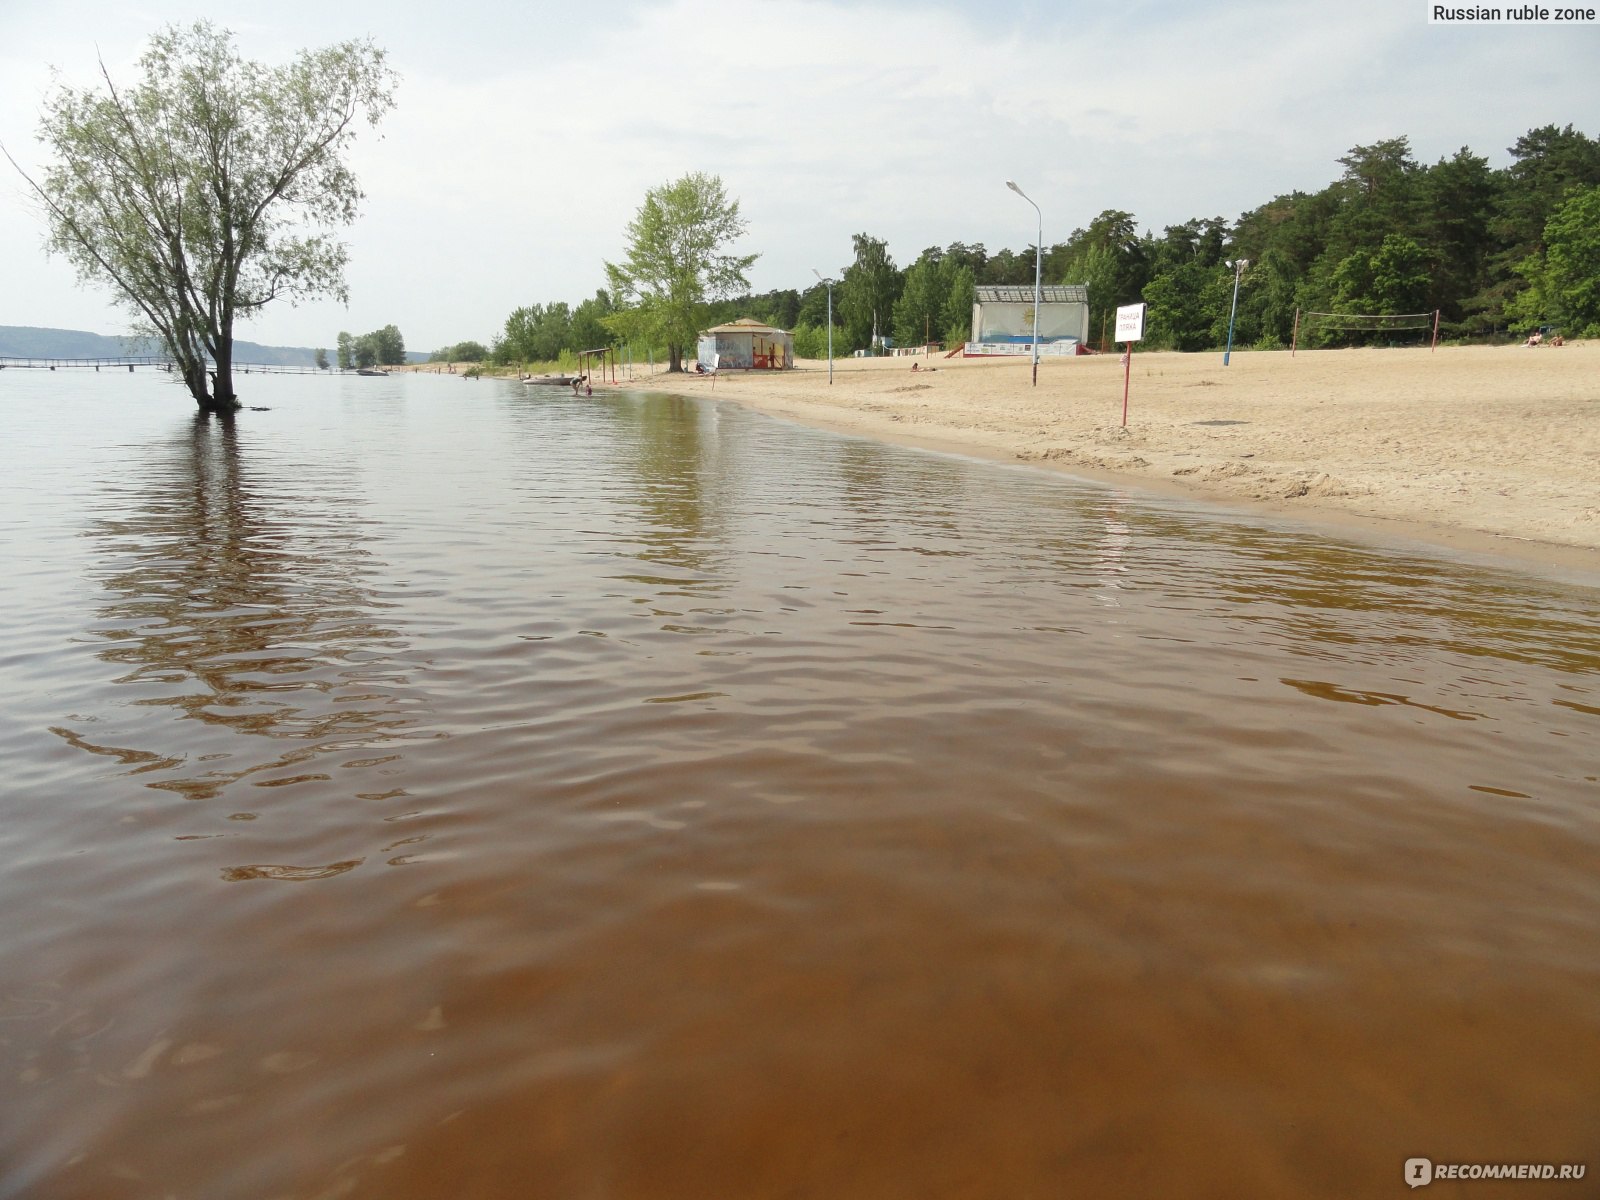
212, 390
194, 378
222, 398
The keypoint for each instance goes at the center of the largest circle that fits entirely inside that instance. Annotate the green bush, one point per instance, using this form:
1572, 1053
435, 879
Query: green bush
811, 341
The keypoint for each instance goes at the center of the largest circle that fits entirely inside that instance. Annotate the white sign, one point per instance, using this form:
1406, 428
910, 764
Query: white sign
1046, 349
1130, 323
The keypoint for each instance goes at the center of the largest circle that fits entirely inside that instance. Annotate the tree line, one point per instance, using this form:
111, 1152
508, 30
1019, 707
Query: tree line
1494, 250
380, 348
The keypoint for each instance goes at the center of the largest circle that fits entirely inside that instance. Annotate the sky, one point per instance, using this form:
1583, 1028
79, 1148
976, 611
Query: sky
525, 135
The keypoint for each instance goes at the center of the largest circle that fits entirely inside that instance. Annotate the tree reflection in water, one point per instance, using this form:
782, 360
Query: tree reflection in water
246, 604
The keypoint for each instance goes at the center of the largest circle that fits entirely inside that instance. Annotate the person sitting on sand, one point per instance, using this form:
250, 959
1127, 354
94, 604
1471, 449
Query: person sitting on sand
1535, 338
1555, 340
916, 367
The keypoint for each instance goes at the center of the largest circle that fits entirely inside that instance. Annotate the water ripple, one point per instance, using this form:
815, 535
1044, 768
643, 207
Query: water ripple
743, 810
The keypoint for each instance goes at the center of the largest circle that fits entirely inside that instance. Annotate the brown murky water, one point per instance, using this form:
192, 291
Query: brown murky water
432, 789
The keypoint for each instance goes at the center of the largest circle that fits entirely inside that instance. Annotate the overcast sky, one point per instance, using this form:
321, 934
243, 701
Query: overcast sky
526, 134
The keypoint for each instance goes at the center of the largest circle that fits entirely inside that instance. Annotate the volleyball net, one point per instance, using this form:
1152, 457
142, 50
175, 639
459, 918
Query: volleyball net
1317, 325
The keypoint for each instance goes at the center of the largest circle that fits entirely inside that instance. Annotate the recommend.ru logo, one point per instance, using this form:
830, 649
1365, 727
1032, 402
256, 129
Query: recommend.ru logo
1419, 1172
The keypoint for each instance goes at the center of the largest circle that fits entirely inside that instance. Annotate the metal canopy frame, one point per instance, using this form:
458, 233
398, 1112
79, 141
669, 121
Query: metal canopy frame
1054, 293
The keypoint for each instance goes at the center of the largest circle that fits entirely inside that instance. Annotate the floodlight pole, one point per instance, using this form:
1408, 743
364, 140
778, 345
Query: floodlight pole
1038, 278
828, 283
1239, 264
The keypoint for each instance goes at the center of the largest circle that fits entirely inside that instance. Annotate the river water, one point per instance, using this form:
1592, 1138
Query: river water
432, 788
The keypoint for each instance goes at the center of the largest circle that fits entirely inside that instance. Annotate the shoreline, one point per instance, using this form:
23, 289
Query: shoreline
1488, 452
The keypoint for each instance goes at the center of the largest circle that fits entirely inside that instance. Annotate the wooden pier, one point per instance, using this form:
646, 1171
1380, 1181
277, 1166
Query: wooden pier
146, 362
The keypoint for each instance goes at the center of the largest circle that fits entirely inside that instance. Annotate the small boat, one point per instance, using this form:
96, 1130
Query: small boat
550, 380
372, 371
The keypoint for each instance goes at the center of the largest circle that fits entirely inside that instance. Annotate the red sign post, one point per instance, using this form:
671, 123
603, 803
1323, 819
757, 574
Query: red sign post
1130, 328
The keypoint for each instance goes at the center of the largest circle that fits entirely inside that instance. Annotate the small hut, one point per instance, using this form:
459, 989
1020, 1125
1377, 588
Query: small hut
746, 345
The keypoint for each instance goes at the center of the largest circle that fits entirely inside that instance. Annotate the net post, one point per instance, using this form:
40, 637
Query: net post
1435, 344
1294, 340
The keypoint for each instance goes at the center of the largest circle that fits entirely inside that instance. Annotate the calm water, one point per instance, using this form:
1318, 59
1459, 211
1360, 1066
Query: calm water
436, 789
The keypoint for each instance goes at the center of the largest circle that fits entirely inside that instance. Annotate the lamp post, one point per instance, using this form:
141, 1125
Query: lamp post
1239, 264
1038, 276
828, 283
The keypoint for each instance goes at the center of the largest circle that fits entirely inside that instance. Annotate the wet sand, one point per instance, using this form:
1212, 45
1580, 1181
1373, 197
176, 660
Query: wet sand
1483, 449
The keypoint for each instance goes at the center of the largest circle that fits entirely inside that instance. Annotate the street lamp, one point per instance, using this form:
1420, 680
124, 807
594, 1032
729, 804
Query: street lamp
828, 283
1239, 264
1038, 276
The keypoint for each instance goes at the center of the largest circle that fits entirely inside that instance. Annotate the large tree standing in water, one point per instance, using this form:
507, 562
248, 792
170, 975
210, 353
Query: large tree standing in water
211, 187
677, 262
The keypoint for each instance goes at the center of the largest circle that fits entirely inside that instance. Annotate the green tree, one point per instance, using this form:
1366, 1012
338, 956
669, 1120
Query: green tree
1266, 301
389, 346
1109, 258
1459, 194
588, 330
957, 310
553, 332
321, 359
811, 341
515, 343
1395, 278
346, 351
867, 293
1095, 266
1549, 162
1564, 281
1196, 240
1294, 227
1401, 276
1009, 266
1352, 280
210, 187
1380, 194
814, 309
468, 351
537, 333
935, 301
919, 312
1186, 303
677, 260
974, 257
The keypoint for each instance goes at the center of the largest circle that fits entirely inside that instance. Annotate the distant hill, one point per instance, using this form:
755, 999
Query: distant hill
27, 341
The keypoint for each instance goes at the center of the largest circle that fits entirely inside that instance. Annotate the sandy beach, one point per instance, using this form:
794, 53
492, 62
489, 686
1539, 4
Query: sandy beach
1482, 449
